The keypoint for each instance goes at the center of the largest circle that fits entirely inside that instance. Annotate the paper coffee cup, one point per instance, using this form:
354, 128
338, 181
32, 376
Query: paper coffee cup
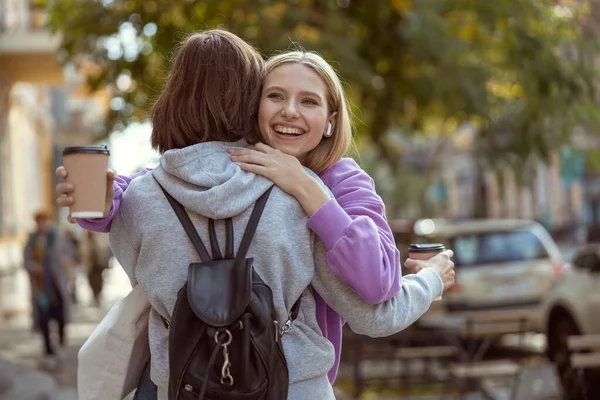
86, 169
424, 252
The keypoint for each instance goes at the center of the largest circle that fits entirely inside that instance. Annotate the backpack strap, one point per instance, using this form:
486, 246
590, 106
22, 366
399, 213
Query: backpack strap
229, 238
289, 324
184, 218
252, 224
214, 243
295, 309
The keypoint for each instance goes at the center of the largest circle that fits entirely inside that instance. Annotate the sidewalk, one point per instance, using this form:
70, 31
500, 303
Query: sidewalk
22, 378
21, 375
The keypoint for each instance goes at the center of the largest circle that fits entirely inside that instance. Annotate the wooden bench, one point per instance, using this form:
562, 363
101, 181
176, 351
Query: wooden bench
485, 369
388, 362
585, 351
481, 331
585, 364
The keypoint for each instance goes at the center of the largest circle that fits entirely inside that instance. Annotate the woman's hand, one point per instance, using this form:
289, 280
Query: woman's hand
283, 170
440, 263
64, 190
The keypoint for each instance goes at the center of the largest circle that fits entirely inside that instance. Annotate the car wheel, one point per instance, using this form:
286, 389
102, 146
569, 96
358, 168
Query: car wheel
557, 341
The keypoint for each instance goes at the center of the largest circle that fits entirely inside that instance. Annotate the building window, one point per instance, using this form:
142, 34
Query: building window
2, 135
4, 156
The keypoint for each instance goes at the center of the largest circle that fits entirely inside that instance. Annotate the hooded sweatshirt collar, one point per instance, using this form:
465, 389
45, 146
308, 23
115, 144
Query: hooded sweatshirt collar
204, 180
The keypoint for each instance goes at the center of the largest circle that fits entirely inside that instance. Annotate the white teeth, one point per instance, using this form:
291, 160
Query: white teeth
288, 130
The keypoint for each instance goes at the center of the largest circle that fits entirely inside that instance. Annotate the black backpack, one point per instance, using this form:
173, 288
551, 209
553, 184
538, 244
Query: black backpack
224, 339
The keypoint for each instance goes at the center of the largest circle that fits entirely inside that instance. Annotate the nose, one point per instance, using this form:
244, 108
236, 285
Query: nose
289, 110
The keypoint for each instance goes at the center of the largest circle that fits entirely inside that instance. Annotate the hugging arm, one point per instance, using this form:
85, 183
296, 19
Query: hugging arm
399, 312
120, 185
359, 241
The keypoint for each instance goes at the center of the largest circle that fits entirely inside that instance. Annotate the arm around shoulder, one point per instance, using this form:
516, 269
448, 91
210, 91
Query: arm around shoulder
361, 249
119, 186
411, 302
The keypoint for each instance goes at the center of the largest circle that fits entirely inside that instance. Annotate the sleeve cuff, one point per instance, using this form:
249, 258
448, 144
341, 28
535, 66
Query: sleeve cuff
434, 280
103, 224
329, 223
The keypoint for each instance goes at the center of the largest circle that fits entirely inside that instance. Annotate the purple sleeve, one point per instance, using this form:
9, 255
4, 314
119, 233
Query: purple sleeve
360, 244
120, 184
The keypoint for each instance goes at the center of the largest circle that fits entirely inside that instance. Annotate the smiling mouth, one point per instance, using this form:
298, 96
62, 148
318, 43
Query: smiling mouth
284, 130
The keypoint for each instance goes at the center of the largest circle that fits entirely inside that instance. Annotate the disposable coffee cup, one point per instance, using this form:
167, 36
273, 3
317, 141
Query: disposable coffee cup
425, 251
86, 169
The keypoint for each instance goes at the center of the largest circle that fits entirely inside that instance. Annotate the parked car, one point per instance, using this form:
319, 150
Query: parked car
572, 308
500, 263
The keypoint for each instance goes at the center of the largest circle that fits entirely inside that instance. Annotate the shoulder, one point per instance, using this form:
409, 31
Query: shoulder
141, 194
346, 174
142, 186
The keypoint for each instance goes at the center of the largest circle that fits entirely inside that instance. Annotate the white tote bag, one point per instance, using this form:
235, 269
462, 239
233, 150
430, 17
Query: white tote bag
112, 360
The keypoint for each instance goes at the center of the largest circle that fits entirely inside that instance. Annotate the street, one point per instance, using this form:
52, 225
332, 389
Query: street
22, 377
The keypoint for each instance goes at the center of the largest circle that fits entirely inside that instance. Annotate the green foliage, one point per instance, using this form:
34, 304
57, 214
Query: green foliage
513, 68
592, 161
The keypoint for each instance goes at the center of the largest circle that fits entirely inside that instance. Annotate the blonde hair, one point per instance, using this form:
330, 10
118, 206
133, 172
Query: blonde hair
329, 150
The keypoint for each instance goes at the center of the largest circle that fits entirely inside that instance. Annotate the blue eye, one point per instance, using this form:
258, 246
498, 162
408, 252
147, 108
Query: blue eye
275, 96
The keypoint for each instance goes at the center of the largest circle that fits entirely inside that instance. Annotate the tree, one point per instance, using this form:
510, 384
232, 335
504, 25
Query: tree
512, 68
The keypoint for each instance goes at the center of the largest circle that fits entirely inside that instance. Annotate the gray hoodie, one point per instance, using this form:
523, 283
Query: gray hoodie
152, 247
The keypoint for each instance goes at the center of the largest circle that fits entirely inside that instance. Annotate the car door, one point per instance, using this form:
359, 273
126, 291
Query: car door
591, 297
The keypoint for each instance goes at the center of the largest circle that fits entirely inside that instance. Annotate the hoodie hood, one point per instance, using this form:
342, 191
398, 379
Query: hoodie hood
204, 180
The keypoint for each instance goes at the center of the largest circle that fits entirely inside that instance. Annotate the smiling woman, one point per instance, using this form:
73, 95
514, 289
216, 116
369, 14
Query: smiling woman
302, 91
293, 114
303, 115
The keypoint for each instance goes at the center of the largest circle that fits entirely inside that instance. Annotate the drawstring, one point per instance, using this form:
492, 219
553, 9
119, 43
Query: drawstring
210, 365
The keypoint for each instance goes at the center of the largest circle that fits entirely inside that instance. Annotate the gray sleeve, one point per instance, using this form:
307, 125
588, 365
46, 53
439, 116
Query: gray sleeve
412, 301
121, 239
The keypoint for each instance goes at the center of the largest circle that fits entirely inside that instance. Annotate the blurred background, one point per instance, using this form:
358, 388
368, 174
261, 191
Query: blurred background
478, 120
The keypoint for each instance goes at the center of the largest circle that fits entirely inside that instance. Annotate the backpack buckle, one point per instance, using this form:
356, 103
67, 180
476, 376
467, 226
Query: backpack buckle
286, 327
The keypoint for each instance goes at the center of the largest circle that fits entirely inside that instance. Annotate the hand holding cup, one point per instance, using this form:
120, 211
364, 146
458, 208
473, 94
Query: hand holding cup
65, 192
441, 263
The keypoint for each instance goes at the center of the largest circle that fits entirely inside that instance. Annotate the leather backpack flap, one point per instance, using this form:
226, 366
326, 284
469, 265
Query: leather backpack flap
220, 290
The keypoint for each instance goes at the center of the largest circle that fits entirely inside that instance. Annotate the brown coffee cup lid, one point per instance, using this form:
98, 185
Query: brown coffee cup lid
426, 247
103, 149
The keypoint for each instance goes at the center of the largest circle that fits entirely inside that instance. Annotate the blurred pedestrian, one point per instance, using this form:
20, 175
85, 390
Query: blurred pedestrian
96, 263
72, 240
47, 259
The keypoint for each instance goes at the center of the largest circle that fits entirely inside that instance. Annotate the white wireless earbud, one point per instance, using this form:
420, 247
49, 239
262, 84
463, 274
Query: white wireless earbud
328, 133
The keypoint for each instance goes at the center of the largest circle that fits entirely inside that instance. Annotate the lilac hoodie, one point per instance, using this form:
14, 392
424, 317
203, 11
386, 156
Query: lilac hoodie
360, 245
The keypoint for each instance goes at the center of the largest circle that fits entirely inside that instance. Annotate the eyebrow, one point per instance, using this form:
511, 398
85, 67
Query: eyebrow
304, 92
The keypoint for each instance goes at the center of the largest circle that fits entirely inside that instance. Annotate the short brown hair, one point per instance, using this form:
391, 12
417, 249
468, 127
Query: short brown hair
41, 215
211, 94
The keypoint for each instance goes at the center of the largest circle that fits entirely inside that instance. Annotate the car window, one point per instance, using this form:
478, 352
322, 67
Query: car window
496, 247
586, 261
579, 260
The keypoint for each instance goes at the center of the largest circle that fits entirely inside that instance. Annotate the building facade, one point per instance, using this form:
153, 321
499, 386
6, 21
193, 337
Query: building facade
38, 116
